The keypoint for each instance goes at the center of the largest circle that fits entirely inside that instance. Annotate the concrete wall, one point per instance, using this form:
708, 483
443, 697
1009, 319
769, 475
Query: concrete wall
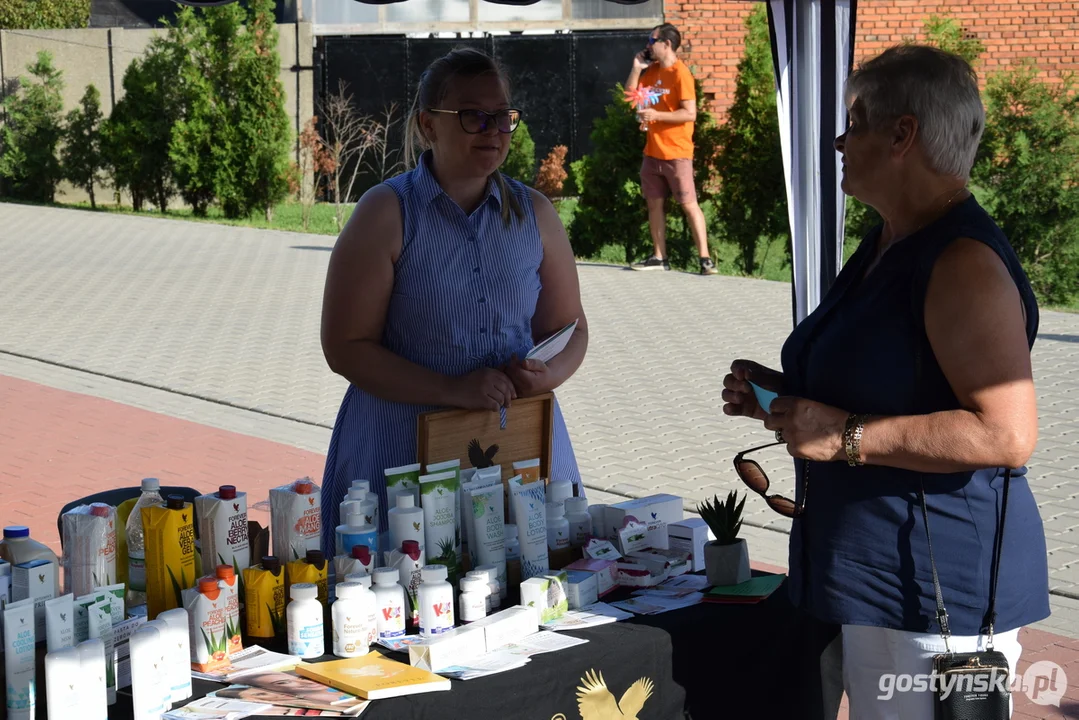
102, 55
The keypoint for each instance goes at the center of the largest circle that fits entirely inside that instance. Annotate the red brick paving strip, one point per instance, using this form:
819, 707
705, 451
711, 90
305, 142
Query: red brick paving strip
57, 446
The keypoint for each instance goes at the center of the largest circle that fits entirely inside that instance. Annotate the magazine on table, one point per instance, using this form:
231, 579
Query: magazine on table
291, 690
285, 705
249, 660
212, 708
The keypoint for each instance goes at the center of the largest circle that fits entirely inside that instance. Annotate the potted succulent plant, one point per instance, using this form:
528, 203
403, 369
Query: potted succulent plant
726, 559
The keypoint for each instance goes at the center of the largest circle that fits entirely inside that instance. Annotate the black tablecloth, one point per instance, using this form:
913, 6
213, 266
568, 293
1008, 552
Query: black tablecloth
712, 660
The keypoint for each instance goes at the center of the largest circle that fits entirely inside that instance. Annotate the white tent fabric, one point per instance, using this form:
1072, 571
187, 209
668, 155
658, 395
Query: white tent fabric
812, 48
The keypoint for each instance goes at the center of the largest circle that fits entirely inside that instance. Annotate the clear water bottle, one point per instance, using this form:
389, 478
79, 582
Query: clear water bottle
136, 542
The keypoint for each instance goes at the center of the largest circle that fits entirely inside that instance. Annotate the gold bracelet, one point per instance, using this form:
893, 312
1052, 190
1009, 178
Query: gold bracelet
852, 439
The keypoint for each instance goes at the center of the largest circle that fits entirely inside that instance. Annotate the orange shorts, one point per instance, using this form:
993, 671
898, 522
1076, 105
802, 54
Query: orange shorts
662, 177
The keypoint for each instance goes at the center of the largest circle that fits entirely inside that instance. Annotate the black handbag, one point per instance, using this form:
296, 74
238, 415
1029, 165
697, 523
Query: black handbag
975, 685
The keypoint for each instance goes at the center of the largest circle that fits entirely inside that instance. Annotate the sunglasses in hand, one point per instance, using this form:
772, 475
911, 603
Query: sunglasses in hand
754, 477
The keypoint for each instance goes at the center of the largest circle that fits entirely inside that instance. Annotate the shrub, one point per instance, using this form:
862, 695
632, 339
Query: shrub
520, 163
137, 135
44, 14
260, 150
752, 198
610, 208
551, 177
81, 156
1029, 160
947, 34
29, 168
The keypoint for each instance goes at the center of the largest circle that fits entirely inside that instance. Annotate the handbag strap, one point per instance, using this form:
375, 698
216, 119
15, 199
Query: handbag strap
998, 546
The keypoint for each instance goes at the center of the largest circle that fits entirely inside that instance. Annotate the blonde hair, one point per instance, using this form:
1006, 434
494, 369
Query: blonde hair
464, 63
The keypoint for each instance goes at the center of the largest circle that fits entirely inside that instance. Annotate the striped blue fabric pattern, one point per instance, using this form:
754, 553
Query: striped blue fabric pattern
465, 289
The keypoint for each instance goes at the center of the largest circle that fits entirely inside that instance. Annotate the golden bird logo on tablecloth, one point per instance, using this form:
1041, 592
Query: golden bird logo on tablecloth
595, 701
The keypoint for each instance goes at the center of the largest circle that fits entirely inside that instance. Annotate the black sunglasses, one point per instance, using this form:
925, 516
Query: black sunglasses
751, 473
474, 122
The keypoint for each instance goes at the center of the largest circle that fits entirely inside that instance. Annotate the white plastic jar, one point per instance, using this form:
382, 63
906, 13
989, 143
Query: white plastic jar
497, 591
557, 527
474, 597
370, 603
350, 621
390, 602
580, 522
435, 599
513, 545
488, 601
304, 617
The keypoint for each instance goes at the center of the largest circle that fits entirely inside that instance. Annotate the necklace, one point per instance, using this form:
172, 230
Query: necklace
881, 248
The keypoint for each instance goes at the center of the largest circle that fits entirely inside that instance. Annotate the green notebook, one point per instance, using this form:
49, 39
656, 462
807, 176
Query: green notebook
758, 587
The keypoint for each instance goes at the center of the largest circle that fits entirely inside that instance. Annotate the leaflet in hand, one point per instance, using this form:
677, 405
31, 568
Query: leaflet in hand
553, 345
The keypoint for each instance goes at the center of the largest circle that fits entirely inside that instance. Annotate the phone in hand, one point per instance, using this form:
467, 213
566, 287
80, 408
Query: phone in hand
647, 54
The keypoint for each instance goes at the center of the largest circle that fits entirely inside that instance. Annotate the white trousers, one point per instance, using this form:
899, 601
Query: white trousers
874, 658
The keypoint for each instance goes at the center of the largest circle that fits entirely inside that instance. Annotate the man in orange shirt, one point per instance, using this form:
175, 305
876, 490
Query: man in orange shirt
668, 153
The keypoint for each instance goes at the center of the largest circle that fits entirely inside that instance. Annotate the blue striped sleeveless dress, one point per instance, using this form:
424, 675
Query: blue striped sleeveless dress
465, 289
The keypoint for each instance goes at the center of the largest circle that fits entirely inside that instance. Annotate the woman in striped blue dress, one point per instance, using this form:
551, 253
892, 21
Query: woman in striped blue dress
443, 278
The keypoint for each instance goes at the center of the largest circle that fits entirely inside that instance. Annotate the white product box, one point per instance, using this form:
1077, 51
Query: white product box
582, 588
547, 595
597, 549
455, 648
604, 570
664, 507
35, 579
675, 562
690, 535
507, 626
637, 574
634, 536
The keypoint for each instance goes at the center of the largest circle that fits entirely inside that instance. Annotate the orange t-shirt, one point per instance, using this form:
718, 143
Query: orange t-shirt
669, 141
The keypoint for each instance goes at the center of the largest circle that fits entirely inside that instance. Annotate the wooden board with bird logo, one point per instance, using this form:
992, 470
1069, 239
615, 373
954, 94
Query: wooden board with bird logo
476, 438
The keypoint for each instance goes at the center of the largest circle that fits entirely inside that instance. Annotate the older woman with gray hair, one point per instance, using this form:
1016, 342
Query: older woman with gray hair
910, 388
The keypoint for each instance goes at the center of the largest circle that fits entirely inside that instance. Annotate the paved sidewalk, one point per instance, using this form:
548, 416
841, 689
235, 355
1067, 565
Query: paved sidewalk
59, 444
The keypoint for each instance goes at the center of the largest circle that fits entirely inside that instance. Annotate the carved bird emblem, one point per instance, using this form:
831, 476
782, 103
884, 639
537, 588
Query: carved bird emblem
479, 457
595, 701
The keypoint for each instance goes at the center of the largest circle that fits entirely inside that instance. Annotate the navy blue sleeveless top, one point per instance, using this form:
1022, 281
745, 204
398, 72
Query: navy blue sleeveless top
859, 555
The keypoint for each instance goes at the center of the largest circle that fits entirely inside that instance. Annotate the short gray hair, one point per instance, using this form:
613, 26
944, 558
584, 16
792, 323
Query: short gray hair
936, 87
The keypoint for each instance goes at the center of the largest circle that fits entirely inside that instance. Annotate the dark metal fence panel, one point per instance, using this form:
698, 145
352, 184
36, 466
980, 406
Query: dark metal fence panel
561, 82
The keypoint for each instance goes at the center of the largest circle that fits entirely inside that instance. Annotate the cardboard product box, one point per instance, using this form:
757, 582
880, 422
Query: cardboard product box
675, 562
35, 579
638, 574
604, 570
547, 595
455, 648
690, 535
635, 536
507, 626
582, 589
663, 507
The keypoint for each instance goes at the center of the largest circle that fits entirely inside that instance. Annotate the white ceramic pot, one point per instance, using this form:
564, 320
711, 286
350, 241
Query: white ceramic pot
726, 564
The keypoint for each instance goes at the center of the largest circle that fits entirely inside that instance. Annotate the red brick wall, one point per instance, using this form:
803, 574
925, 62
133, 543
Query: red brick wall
1048, 32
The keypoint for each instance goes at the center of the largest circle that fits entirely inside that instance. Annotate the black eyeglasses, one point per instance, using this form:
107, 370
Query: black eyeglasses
654, 40
474, 122
751, 473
